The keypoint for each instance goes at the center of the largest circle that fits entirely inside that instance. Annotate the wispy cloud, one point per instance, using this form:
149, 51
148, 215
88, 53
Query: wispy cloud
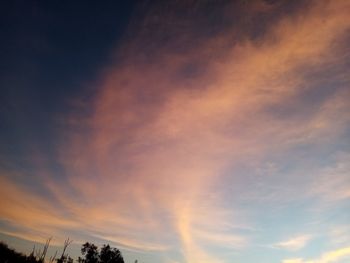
293, 260
339, 234
328, 257
143, 168
294, 243
165, 141
333, 182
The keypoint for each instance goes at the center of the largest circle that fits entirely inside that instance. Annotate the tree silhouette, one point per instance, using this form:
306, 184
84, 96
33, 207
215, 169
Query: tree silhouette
110, 255
106, 254
90, 252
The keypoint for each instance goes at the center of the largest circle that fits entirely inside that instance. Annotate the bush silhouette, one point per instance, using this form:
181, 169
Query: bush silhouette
90, 253
11, 256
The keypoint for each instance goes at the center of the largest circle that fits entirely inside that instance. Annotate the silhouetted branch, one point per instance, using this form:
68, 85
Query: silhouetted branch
46, 246
52, 258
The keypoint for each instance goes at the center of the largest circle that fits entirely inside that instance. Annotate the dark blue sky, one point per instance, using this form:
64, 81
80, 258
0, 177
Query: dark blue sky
49, 50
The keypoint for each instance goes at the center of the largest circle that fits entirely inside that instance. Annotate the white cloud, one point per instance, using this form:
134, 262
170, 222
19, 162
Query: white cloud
294, 243
339, 234
328, 257
293, 260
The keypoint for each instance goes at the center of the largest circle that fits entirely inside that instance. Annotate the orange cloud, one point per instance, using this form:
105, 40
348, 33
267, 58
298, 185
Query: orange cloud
36, 217
156, 144
164, 143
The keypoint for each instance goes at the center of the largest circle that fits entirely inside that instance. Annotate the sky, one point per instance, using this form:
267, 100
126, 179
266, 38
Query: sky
177, 131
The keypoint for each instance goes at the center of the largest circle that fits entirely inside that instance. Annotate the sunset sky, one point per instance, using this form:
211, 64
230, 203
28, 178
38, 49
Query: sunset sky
181, 131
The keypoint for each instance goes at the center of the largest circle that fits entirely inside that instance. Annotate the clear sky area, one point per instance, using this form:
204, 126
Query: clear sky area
183, 131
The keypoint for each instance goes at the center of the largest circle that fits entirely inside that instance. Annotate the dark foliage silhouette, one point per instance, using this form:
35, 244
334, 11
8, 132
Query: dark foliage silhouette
110, 255
8, 255
90, 252
106, 254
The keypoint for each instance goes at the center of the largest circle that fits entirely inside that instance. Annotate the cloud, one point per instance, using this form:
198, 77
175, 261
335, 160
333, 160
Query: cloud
339, 234
31, 216
142, 169
329, 257
333, 182
164, 141
294, 260
295, 243
334, 256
